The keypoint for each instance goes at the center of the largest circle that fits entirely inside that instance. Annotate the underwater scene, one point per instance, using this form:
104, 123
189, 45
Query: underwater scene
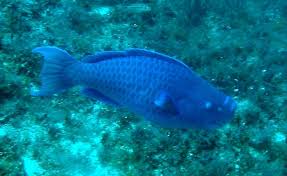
143, 88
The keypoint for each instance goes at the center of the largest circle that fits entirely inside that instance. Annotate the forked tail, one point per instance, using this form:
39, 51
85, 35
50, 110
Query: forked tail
54, 74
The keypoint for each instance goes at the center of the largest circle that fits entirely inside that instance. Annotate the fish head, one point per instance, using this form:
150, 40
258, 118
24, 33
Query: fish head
207, 113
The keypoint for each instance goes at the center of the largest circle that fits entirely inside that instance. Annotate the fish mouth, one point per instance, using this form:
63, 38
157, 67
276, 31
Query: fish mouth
230, 104
233, 106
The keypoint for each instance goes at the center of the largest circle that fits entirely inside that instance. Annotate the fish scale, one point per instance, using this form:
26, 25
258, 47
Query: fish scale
158, 70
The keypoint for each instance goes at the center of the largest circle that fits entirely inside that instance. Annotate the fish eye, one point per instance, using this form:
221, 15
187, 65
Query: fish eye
212, 107
208, 105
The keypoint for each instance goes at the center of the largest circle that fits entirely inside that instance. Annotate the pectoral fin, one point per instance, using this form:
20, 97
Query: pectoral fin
165, 103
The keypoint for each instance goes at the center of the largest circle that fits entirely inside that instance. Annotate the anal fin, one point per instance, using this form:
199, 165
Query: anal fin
94, 94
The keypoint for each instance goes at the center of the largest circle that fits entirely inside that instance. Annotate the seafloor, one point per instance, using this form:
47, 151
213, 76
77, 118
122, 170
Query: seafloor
238, 45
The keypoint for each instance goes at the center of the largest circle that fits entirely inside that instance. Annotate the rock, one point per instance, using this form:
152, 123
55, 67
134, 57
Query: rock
2, 75
31, 166
58, 115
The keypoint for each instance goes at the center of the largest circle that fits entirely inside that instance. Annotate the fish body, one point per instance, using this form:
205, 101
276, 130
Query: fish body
161, 89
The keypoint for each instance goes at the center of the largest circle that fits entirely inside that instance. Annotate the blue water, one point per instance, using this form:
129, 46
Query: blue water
239, 46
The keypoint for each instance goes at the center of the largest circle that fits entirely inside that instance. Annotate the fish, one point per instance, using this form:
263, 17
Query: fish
155, 86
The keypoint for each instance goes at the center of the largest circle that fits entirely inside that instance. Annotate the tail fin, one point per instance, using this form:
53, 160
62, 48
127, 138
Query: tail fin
54, 71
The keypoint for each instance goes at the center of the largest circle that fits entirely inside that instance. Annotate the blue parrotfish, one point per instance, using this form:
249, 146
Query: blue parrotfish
155, 86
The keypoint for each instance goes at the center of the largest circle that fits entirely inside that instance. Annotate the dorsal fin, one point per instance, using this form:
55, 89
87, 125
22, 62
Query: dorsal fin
154, 54
133, 52
104, 55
